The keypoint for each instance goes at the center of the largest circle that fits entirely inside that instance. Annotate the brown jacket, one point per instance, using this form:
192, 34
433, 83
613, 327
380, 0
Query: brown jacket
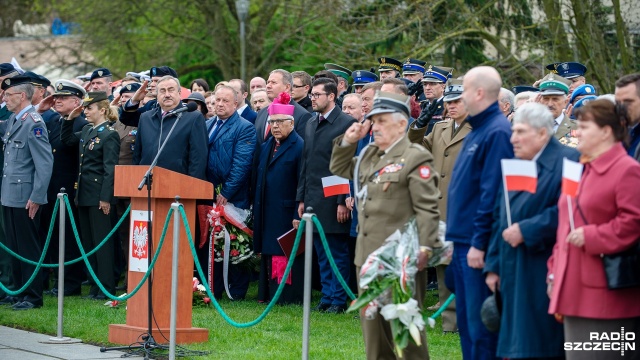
127, 140
445, 152
408, 186
565, 127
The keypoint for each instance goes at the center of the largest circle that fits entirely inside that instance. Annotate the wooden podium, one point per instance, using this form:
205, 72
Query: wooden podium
166, 185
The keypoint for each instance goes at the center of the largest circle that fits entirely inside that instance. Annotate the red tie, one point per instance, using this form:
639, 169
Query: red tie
275, 149
266, 133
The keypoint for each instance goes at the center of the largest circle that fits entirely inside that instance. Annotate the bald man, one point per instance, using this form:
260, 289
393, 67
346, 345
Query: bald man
474, 185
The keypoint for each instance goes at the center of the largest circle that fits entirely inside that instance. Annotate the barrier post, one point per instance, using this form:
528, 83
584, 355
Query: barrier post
174, 278
306, 320
61, 237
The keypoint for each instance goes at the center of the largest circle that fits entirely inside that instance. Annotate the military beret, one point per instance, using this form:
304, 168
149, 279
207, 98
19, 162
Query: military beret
362, 77
568, 70
15, 81
522, 88
552, 84
130, 88
388, 64
66, 87
413, 66
338, 70
37, 80
437, 74
99, 73
582, 90
93, 97
384, 103
7, 69
453, 90
160, 71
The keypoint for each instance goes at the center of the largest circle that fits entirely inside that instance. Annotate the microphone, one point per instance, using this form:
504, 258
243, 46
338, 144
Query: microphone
188, 108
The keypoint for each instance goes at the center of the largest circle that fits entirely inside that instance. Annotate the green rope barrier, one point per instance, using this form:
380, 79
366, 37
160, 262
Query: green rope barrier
93, 275
275, 298
70, 262
37, 264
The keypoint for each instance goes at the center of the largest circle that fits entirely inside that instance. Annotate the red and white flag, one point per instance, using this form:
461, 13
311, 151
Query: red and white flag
520, 175
335, 185
571, 174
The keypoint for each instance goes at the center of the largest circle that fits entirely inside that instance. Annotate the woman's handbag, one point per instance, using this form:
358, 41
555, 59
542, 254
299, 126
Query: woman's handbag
622, 270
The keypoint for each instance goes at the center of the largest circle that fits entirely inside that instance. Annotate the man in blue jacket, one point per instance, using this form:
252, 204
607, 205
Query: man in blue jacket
232, 142
472, 192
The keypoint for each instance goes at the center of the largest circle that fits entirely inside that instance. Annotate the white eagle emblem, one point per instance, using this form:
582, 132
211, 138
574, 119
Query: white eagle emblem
140, 241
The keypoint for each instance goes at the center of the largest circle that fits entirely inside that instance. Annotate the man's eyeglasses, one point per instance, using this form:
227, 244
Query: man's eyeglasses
6, 94
298, 86
317, 95
278, 122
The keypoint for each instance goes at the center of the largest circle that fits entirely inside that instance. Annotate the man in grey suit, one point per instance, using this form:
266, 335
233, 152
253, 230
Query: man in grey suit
25, 179
280, 81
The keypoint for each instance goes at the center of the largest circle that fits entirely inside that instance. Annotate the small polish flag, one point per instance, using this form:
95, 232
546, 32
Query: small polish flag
335, 185
520, 175
571, 174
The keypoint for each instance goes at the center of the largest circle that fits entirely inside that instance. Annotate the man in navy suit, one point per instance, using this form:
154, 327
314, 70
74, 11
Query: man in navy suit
232, 142
274, 206
244, 110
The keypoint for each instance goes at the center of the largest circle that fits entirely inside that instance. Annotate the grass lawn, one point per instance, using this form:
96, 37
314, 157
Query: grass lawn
278, 336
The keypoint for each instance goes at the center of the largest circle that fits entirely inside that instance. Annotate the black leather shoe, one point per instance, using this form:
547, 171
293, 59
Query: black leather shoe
26, 305
321, 307
10, 300
100, 297
336, 309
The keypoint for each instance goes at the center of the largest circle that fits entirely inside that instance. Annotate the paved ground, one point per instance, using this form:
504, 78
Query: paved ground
24, 345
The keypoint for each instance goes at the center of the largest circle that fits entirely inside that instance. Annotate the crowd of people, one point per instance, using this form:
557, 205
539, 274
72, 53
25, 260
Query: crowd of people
413, 139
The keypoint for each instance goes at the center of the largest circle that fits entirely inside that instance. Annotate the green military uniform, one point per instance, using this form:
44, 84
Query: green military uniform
99, 148
4, 113
399, 185
566, 128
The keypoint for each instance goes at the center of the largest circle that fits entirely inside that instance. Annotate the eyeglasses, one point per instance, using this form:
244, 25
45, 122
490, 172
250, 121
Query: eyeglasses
6, 94
278, 122
317, 95
298, 86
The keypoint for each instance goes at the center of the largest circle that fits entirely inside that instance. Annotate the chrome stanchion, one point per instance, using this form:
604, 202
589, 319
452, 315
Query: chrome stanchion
174, 277
61, 235
308, 251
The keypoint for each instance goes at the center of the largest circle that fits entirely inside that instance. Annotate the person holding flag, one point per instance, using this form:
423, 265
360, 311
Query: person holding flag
601, 218
524, 232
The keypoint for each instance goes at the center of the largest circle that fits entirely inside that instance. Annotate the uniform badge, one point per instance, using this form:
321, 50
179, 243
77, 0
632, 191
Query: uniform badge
37, 132
132, 146
391, 168
8, 81
91, 146
101, 128
133, 132
24, 116
425, 172
100, 73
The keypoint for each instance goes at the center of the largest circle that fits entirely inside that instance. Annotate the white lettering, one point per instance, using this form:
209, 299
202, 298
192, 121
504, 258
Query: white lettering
586, 346
629, 336
604, 336
616, 346
605, 346
593, 336
568, 346
630, 346
615, 336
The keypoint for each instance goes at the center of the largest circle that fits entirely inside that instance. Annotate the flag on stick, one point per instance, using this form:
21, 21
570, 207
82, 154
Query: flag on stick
520, 175
571, 174
335, 185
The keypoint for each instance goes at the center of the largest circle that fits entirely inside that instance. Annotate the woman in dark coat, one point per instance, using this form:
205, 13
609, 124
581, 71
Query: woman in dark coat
99, 148
516, 262
275, 207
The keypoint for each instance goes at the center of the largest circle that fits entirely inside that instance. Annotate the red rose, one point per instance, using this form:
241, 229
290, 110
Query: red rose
217, 229
206, 300
114, 303
233, 236
234, 252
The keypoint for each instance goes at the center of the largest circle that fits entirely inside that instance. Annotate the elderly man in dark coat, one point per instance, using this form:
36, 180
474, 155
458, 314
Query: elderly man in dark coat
274, 205
516, 263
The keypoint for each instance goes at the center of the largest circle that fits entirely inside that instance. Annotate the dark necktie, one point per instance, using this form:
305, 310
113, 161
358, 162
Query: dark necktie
321, 119
218, 125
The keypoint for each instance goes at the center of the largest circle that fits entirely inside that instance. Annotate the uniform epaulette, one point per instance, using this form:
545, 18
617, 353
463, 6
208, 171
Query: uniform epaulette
37, 118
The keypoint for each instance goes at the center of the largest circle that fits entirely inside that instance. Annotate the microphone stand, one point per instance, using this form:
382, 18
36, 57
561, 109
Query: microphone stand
149, 343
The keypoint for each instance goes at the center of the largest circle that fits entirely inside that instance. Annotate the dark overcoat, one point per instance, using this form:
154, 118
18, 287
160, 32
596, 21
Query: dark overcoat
275, 204
526, 330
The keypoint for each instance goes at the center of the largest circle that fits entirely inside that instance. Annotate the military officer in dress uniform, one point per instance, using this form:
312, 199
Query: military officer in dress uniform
362, 78
433, 82
100, 80
99, 146
573, 71
396, 181
27, 170
389, 67
343, 75
553, 94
